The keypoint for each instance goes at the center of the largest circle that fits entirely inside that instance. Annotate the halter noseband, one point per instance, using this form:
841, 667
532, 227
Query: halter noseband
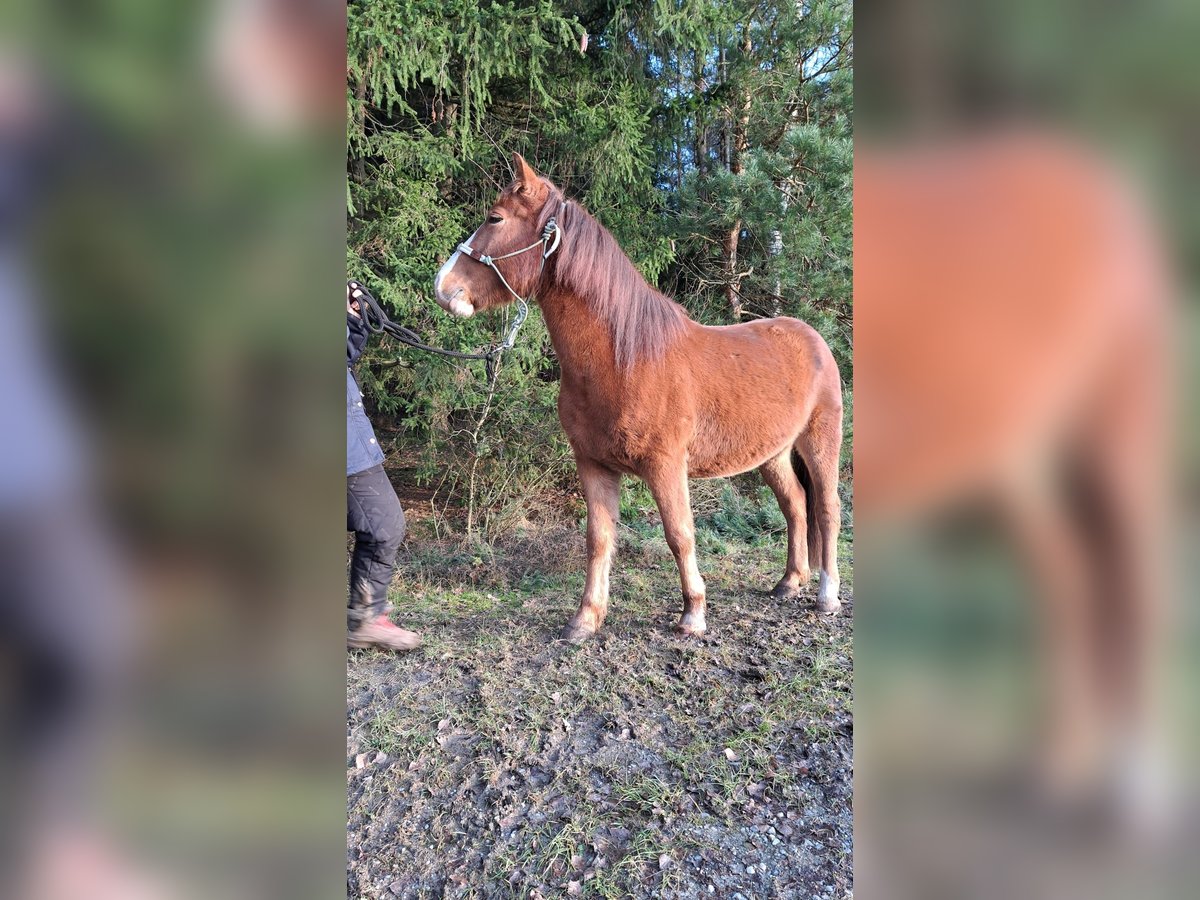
552, 230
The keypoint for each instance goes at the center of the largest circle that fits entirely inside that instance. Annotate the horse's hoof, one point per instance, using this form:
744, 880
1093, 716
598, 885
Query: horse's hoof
577, 634
689, 629
828, 600
784, 592
828, 606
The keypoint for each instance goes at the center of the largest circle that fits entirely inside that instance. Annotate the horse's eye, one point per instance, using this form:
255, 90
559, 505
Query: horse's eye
494, 219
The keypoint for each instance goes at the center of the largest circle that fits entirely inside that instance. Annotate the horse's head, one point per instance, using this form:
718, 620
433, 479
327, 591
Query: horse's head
510, 248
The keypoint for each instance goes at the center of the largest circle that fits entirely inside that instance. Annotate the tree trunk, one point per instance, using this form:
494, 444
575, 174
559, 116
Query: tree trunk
681, 142
723, 70
777, 249
738, 143
360, 94
732, 282
700, 130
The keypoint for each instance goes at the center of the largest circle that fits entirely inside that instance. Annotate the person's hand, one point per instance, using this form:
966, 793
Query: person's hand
351, 303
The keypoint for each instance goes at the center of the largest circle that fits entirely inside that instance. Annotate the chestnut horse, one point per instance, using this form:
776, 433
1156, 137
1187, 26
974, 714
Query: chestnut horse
1013, 345
648, 392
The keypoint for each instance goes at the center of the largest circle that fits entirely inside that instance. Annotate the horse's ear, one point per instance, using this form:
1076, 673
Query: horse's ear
524, 174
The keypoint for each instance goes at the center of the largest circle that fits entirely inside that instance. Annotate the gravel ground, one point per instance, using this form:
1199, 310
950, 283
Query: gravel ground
500, 762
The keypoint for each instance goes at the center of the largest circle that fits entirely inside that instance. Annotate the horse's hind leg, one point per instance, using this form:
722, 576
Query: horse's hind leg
819, 446
668, 483
1125, 481
781, 479
1055, 553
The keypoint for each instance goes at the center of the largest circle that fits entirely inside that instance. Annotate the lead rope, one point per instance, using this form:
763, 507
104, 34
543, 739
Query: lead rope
377, 322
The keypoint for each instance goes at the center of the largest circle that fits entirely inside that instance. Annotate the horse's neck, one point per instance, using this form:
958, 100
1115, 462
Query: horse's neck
581, 340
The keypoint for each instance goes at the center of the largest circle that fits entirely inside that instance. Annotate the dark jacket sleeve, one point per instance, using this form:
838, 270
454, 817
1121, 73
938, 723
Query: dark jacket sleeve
356, 338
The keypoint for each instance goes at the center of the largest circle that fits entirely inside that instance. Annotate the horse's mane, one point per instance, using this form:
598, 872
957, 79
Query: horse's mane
642, 321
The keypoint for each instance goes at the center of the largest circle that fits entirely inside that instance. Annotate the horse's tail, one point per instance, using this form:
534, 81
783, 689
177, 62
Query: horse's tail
812, 523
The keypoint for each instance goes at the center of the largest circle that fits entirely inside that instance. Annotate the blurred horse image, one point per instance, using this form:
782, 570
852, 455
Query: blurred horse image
1011, 349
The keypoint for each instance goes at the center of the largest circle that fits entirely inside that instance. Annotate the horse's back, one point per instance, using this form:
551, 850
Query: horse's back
789, 347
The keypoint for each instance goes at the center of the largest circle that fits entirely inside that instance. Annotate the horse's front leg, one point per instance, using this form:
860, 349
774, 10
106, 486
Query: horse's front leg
669, 486
602, 491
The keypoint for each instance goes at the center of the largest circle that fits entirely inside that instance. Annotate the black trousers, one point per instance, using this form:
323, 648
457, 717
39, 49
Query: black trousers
66, 635
373, 513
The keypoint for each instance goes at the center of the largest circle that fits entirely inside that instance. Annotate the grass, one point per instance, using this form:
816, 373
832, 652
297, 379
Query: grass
630, 767
396, 734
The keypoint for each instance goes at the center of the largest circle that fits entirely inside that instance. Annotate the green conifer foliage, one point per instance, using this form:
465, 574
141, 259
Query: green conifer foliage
683, 123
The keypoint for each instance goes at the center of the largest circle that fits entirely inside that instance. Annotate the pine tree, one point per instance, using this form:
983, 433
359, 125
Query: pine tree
712, 138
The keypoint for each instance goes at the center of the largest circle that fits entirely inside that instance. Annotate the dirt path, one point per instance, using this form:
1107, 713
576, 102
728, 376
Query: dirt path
499, 762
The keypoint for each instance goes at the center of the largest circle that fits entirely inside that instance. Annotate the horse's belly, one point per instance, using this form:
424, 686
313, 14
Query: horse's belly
615, 437
720, 451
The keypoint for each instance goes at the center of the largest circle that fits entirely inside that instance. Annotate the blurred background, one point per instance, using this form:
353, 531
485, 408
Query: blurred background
1026, 246
171, 259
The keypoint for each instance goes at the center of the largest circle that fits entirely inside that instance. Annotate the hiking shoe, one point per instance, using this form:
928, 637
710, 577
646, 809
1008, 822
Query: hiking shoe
381, 632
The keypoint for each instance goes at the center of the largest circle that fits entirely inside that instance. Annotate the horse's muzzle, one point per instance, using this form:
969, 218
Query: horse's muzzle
456, 304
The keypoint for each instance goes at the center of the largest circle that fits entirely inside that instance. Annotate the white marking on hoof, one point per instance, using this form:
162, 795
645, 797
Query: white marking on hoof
827, 593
